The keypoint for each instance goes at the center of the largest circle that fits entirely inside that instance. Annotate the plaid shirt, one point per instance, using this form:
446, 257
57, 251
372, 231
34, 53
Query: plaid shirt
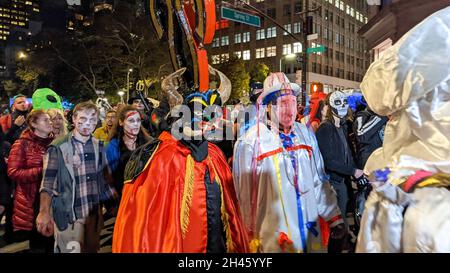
87, 193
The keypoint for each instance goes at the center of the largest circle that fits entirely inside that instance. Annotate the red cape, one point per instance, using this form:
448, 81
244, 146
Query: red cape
148, 219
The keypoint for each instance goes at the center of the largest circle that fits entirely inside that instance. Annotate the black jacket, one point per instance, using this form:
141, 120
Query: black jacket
5, 183
333, 153
369, 133
15, 131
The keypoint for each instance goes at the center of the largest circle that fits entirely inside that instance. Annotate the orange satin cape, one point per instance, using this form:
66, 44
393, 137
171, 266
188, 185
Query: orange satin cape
157, 213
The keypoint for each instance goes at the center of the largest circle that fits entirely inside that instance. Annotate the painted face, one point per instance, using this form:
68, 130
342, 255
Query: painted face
85, 121
339, 104
132, 123
286, 110
43, 124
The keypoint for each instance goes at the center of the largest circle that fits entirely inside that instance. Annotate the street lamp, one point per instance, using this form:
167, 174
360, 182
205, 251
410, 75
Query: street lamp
128, 83
287, 57
22, 55
121, 93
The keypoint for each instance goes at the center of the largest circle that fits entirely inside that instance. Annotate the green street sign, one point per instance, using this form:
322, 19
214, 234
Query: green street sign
240, 17
315, 49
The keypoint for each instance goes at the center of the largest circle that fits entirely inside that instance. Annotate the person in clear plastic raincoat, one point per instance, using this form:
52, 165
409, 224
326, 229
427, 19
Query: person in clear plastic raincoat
279, 177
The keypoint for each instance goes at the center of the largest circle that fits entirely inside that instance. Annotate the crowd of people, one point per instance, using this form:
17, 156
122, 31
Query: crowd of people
63, 176
287, 180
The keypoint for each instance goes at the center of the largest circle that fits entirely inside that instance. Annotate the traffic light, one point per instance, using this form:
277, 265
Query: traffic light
316, 87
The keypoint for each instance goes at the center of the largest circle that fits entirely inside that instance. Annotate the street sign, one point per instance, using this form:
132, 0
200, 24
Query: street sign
240, 17
313, 36
315, 49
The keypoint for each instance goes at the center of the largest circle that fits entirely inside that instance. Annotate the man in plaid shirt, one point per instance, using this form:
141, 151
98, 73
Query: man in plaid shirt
74, 186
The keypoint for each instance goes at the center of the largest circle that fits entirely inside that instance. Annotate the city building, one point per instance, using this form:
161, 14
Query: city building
342, 64
389, 20
16, 13
18, 20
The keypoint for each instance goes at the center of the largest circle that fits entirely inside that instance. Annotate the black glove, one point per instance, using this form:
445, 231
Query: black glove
362, 182
338, 232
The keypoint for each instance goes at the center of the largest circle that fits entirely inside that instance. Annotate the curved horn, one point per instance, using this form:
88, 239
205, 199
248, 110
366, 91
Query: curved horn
224, 88
170, 86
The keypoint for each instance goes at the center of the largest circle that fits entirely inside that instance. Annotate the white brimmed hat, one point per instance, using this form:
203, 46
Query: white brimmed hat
277, 85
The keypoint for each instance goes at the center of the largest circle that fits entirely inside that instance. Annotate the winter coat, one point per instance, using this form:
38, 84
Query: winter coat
332, 150
25, 170
5, 184
12, 132
369, 133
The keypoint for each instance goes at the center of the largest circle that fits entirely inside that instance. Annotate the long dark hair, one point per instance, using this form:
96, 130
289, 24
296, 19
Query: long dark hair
329, 114
117, 130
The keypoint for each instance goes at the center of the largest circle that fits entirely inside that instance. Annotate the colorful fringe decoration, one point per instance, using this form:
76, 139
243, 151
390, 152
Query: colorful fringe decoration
255, 245
325, 229
187, 195
224, 214
284, 241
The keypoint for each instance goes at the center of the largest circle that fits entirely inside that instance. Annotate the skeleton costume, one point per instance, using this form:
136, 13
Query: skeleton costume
409, 208
280, 181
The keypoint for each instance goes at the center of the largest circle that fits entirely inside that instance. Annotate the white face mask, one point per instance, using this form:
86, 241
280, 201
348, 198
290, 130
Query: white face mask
339, 104
85, 122
132, 124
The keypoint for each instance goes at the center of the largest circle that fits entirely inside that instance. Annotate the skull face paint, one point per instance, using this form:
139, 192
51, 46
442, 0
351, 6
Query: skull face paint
339, 104
132, 124
85, 121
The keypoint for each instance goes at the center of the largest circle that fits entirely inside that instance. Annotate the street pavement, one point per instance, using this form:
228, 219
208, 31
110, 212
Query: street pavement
24, 247
105, 238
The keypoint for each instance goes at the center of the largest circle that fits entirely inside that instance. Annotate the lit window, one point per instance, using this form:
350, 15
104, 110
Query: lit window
271, 32
336, 3
215, 59
238, 54
237, 38
215, 42
297, 27
246, 55
287, 49
260, 53
348, 9
225, 57
246, 37
341, 5
288, 28
297, 47
271, 51
259, 1
352, 12
224, 41
260, 34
